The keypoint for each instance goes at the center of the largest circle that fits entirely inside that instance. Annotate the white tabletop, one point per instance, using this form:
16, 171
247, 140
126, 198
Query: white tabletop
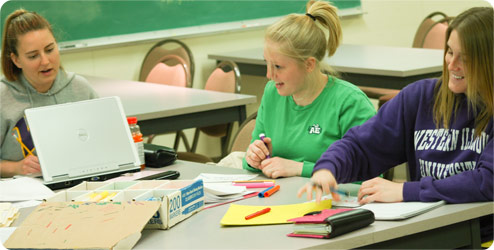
151, 101
361, 59
203, 230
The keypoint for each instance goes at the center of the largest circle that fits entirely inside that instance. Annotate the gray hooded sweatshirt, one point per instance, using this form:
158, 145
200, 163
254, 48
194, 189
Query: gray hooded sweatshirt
17, 96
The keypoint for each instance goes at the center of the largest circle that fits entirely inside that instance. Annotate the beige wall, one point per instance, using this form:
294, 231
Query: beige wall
390, 23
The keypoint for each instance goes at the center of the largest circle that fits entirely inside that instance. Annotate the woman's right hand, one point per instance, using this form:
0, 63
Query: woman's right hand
321, 181
257, 152
29, 165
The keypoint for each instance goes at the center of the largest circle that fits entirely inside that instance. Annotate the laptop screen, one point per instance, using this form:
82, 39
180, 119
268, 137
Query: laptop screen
82, 139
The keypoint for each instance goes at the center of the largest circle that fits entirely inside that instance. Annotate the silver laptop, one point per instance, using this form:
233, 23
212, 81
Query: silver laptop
86, 140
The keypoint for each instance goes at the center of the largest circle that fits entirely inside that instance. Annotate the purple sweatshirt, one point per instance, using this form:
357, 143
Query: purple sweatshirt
444, 164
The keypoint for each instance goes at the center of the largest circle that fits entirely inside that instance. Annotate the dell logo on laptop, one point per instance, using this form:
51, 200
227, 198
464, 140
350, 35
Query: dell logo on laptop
82, 134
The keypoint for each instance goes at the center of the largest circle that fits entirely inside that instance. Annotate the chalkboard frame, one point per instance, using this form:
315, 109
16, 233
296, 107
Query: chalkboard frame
178, 32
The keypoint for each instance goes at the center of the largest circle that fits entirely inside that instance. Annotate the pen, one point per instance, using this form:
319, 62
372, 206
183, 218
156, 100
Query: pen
272, 191
16, 135
332, 189
260, 212
262, 136
261, 194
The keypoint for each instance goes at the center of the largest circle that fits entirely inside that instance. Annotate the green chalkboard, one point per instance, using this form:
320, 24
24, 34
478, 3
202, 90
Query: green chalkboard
76, 20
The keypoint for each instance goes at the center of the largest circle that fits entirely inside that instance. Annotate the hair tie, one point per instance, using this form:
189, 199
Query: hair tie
311, 16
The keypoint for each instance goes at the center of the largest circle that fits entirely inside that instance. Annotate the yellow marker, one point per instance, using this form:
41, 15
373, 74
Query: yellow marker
109, 197
99, 196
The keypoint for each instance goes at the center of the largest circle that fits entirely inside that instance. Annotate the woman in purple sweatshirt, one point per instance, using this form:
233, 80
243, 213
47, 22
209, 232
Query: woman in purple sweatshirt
442, 127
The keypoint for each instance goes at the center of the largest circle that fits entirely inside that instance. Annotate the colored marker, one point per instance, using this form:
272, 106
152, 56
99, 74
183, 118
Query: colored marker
272, 191
332, 189
262, 136
109, 197
99, 196
261, 194
255, 184
260, 212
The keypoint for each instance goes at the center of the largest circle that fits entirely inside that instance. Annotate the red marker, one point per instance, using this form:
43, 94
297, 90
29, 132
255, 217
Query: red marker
272, 191
260, 212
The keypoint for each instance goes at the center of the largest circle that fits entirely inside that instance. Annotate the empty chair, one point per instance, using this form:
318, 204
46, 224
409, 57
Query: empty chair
242, 138
170, 75
169, 52
224, 78
431, 33
240, 143
169, 62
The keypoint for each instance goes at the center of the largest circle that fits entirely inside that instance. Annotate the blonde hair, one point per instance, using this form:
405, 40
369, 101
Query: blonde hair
18, 23
475, 31
300, 37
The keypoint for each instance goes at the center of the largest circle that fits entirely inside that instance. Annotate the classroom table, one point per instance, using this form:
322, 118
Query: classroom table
449, 226
162, 108
363, 65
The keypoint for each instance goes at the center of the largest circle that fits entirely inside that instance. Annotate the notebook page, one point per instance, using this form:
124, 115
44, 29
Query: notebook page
400, 210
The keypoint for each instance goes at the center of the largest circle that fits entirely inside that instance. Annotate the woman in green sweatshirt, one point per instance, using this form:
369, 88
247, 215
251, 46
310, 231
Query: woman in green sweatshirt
303, 110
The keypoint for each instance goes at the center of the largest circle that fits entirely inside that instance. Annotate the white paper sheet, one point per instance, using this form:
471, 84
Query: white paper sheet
209, 178
23, 189
400, 210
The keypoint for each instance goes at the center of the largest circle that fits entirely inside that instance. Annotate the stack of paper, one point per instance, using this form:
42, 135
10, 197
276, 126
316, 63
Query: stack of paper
8, 213
400, 210
218, 188
23, 189
222, 192
235, 216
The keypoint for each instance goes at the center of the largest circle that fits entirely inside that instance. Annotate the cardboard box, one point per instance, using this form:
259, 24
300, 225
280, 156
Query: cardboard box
83, 225
179, 199
68, 220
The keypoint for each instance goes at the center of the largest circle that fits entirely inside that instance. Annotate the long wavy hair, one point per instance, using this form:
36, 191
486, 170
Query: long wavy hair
475, 31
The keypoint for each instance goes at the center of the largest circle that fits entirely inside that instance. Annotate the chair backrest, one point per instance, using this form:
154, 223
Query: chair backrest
170, 52
242, 139
225, 78
170, 75
431, 33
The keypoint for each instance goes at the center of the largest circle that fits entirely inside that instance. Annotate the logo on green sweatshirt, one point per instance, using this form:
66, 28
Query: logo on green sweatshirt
315, 129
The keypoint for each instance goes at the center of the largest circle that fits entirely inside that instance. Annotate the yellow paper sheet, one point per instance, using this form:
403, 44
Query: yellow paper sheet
235, 216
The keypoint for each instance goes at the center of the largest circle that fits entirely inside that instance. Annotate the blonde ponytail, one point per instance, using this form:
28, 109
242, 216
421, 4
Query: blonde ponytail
314, 34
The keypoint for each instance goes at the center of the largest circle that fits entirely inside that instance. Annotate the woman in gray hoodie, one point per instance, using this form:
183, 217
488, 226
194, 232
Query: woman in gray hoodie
32, 78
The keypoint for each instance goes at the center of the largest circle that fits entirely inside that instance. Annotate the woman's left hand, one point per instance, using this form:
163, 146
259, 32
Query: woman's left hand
380, 190
276, 167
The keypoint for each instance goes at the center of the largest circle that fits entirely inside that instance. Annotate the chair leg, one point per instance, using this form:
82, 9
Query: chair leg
195, 140
151, 138
225, 140
186, 142
177, 141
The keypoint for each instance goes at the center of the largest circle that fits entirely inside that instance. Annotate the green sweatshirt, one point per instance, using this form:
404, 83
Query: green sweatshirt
303, 133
